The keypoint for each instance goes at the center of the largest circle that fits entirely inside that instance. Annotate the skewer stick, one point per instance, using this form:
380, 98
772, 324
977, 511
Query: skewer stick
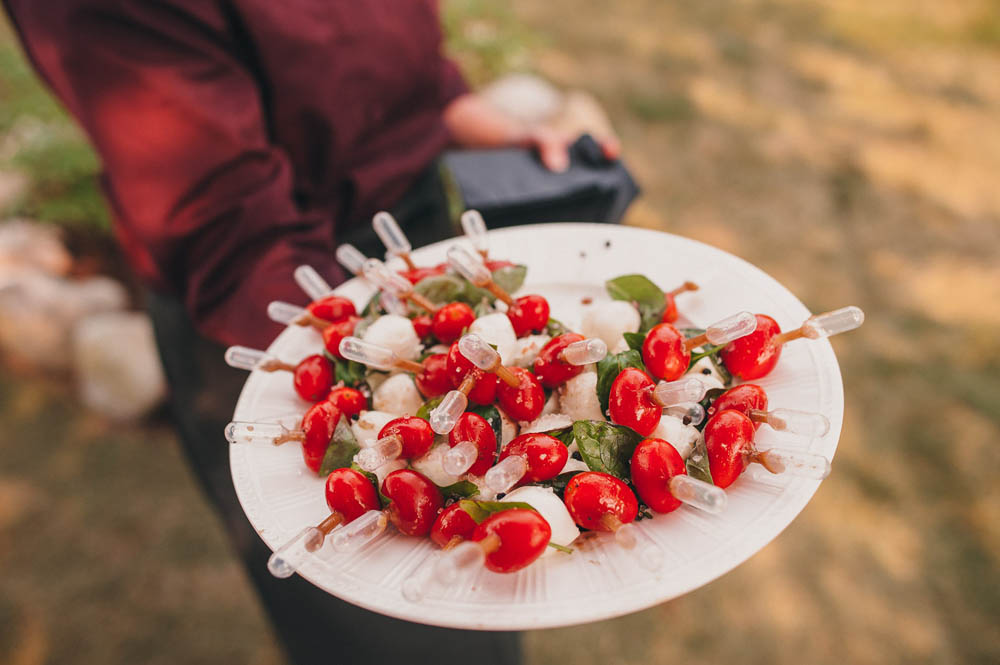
392, 237
628, 536
289, 557
384, 278
375, 356
825, 325
483, 356
584, 352
473, 269
795, 422
240, 431
669, 393
793, 462
311, 282
288, 314
242, 357
351, 258
475, 230
683, 288
724, 331
466, 557
445, 415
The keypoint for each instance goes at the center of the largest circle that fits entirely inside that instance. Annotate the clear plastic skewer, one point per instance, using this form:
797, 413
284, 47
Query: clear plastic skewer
243, 357
381, 452
311, 282
288, 314
505, 474
691, 413
584, 352
792, 462
387, 279
388, 231
669, 393
375, 356
698, 494
475, 230
461, 561
803, 423
460, 458
240, 431
472, 268
445, 415
631, 537
361, 531
351, 258
482, 355
825, 324
289, 557
725, 330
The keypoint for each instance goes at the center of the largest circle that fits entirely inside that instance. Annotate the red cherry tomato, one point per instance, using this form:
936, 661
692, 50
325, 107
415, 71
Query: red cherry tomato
756, 354
475, 428
630, 402
654, 463
422, 326
526, 401
350, 401
335, 332
729, 440
545, 456
452, 525
742, 398
592, 496
415, 501
418, 274
332, 308
664, 354
484, 390
493, 266
433, 379
319, 424
550, 370
313, 377
529, 314
451, 320
416, 434
350, 493
523, 534
670, 313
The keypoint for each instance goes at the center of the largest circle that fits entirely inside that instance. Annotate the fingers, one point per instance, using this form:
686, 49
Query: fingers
611, 147
553, 150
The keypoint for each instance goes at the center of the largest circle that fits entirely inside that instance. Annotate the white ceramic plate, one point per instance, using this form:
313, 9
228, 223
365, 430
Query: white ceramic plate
566, 262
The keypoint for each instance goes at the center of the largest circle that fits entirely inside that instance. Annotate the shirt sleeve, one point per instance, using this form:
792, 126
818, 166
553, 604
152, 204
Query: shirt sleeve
453, 83
201, 198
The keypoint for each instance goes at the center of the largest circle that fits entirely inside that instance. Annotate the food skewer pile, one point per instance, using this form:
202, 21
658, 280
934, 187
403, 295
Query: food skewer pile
449, 408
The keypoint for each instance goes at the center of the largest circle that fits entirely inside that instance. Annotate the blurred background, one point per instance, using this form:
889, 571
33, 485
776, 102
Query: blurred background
851, 149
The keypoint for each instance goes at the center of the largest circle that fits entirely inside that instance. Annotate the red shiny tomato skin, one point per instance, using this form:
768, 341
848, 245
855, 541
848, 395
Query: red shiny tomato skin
670, 314
630, 404
591, 495
332, 308
350, 401
484, 390
414, 501
422, 325
529, 314
550, 370
453, 522
319, 424
545, 456
493, 266
433, 379
729, 440
525, 402
475, 428
654, 463
664, 354
416, 434
313, 377
350, 493
755, 355
523, 534
451, 320
742, 398
335, 332
414, 276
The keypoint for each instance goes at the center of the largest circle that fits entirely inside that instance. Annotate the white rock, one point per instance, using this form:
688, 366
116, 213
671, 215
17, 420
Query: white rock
496, 329
431, 465
608, 320
397, 395
673, 430
368, 425
395, 332
578, 397
526, 349
551, 507
117, 366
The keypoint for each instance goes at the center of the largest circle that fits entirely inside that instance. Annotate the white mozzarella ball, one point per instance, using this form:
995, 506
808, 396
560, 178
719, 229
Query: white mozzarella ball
573, 464
431, 465
389, 467
397, 395
673, 430
368, 425
508, 428
547, 423
711, 380
526, 349
551, 507
551, 404
394, 332
578, 397
608, 320
496, 329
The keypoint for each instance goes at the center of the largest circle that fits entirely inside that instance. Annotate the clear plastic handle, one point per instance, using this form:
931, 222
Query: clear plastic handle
384, 278
689, 414
793, 462
698, 493
416, 585
351, 258
478, 352
445, 415
392, 304
289, 557
360, 532
459, 562
584, 352
468, 265
388, 231
242, 357
459, 459
802, 423
731, 327
668, 393
245, 432
630, 537
505, 475
384, 450
311, 282
832, 323
366, 353
475, 229
284, 312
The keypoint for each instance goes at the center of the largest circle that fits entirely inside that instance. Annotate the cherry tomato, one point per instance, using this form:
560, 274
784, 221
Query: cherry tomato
415, 433
670, 314
592, 496
350, 401
550, 370
319, 424
756, 354
451, 320
545, 456
742, 398
523, 534
630, 402
433, 379
350, 493
414, 501
664, 354
335, 332
422, 326
493, 266
654, 463
313, 377
332, 308
451, 526
484, 390
529, 314
475, 428
418, 274
526, 401
729, 440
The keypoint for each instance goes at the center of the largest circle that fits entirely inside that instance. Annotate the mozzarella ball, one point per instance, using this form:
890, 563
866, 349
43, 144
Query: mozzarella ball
573, 464
547, 423
551, 507
673, 430
389, 467
578, 397
496, 329
608, 320
394, 332
526, 349
551, 404
397, 395
368, 425
712, 379
431, 465
508, 428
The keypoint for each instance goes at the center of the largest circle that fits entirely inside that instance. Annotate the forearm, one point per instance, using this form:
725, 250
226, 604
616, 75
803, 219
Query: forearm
474, 123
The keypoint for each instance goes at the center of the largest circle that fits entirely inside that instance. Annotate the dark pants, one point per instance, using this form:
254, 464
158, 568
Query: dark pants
313, 626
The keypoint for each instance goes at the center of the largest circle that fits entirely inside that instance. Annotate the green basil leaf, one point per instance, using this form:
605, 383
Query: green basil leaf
558, 484
480, 510
646, 295
373, 307
510, 278
565, 435
634, 340
610, 367
606, 447
706, 403
491, 415
709, 351
350, 372
425, 409
697, 462
463, 489
555, 328
342, 449
442, 288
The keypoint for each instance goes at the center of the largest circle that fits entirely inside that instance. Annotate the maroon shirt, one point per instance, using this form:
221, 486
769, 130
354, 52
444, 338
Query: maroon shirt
237, 136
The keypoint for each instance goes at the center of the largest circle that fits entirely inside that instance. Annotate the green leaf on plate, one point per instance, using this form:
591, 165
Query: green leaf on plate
442, 288
510, 278
463, 489
564, 434
555, 328
341, 451
606, 447
634, 340
350, 372
425, 409
480, 510
646, 295
697, 462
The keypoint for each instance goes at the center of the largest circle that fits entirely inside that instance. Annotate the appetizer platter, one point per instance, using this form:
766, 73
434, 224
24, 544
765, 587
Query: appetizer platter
535, 426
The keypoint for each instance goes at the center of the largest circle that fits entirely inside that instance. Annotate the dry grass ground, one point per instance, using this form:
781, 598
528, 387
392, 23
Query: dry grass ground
850, 149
